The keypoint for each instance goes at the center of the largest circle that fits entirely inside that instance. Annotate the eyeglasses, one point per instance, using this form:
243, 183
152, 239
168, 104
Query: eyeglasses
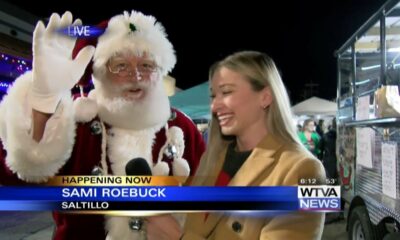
124, 67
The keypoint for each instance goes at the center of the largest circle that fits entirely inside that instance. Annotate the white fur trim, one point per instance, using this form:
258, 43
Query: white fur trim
181, 167
161, 169
175, 137
125, 145
150, 37
85, 109
33, 161
92, 94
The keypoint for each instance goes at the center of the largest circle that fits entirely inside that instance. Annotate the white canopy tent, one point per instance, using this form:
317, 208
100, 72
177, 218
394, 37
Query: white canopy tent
315, 106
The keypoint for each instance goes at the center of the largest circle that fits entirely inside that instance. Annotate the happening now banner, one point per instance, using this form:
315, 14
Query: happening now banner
162, 194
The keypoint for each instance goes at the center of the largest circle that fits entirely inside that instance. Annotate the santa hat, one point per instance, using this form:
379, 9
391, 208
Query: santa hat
133, 32
129, 31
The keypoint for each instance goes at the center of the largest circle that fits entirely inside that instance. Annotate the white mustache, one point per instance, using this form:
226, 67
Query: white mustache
128, 86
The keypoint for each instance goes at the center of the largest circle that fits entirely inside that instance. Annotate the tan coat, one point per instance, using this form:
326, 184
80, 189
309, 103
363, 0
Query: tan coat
270, 164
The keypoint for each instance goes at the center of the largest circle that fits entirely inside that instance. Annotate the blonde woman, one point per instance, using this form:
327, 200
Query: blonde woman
252, 142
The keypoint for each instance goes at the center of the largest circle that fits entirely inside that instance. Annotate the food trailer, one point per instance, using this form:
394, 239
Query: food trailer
368, 126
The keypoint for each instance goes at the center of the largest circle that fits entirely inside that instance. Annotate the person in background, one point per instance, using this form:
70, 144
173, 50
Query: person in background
309, 138
328, 151
251, 143
299, 127
127, 116
329, 160
320, 128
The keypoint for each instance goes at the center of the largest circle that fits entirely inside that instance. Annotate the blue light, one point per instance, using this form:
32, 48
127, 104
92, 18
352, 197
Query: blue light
4, 86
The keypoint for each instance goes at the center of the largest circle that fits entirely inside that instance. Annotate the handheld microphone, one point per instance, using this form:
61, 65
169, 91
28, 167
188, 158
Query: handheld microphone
138, 167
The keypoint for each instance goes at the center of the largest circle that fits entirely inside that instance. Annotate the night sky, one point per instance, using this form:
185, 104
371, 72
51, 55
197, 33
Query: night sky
301, 36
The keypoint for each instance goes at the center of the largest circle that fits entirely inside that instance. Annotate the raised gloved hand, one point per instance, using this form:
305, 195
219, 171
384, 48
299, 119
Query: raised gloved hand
54, 71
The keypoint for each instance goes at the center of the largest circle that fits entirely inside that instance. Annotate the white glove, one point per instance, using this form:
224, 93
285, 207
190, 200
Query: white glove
54, 71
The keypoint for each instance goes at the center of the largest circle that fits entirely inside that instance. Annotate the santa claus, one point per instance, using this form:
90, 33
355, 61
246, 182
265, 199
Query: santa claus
45, 133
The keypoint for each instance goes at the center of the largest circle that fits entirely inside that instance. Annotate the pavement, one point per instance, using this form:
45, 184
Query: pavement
335, 228
26, 225
39, 226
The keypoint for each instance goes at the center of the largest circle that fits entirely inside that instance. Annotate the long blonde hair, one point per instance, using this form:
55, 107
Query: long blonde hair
260, 70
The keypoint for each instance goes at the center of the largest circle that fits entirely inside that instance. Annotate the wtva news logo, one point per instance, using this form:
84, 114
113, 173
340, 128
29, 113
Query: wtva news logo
319, 198
82, 31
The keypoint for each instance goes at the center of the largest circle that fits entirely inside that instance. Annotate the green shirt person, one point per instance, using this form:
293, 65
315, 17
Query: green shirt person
310, 138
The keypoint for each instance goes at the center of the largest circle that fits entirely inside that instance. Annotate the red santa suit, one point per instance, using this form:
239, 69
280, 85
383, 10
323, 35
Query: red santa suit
84, 135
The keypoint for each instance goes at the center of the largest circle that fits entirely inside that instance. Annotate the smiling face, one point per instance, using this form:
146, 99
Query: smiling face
235, 104
130, 93
131, 77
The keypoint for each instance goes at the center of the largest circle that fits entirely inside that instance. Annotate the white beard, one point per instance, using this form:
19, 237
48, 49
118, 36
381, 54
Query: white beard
153, 111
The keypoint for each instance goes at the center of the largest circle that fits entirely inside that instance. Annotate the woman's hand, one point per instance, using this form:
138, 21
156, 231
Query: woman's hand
163, 227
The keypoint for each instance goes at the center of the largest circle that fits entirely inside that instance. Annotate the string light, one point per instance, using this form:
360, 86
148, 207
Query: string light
18, 65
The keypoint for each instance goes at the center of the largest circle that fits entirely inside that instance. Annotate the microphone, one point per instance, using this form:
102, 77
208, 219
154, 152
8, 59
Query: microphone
138, 167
